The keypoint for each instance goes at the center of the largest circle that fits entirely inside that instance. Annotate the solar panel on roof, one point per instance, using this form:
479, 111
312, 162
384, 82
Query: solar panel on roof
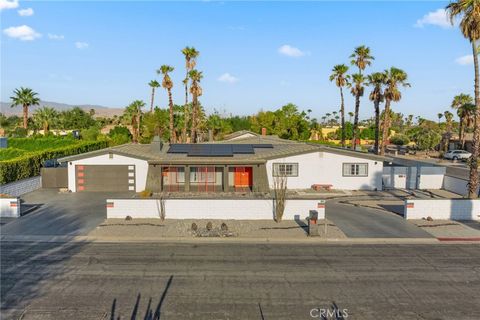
263, 145
215, 150
242, 149
179, 148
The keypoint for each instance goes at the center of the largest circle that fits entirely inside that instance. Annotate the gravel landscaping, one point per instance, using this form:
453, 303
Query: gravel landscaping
155, 228
447, 229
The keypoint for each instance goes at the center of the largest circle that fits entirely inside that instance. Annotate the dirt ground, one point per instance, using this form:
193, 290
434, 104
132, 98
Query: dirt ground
448, 228
155, 228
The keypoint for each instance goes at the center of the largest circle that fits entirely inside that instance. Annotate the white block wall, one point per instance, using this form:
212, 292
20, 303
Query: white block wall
456, 185
327, 168
431, 177
9, 207
236, 209
141, 168
20, 187
443, 209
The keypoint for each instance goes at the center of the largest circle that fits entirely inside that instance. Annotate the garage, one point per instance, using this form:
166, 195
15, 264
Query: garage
115, 178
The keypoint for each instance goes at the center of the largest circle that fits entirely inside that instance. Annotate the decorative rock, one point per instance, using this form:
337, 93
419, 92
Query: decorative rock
224, 227
209, 225
194, 227
429, 218
128, 218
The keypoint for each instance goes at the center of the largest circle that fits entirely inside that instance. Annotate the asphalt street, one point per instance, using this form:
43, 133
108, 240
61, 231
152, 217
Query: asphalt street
239, 281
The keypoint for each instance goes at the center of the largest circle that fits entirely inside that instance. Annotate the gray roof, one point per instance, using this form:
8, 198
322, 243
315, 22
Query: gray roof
281, 148
239, 133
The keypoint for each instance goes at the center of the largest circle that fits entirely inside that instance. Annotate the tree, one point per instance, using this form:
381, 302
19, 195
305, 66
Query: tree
361, 58
76, 119
466, 113
400, 140
469, 12
440, 116
132, 115
377, 81
154, 85
26, 98
394, 78
196, 91
167, 83
44, 117
357, 89
341, 80
457, 103
350, 115
191, 55
448, 122
427, 139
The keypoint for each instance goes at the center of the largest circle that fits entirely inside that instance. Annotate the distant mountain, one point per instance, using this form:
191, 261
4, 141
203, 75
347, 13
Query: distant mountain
100, 111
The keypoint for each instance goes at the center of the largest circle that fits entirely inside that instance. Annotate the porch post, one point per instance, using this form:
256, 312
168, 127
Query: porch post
187, 178
225, 178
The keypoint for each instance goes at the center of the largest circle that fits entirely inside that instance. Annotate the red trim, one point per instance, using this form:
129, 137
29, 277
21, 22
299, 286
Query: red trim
458, 239
410, 205
13, 204
110, 205
321, 206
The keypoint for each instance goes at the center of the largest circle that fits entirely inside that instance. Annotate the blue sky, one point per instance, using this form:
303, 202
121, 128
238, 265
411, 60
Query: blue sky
254, 55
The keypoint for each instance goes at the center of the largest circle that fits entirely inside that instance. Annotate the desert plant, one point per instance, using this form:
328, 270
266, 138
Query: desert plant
145, 193
224, 227
280, 195
194, 227
209, 226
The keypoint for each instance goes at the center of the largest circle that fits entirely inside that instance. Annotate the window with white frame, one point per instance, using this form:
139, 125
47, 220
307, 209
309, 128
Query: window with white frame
285, 169
355, 169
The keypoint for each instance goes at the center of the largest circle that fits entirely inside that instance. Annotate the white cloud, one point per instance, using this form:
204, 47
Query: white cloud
465, 60
25, 12
52, 36
438, 18
290, 51
81, 45
24, 33
6, 4
228, 78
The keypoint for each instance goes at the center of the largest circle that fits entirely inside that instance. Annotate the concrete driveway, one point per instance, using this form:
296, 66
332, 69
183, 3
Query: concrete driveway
56, 214
361, 222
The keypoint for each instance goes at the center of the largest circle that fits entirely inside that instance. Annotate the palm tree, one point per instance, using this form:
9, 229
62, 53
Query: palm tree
196, 91
466, 113
25, 97
357, 90
341, 79
469, 12
361, 58
440, 116
167, 83
44, 117
191, 55
448, 121
457, 103
132, 116
377, 81
394, 78
350, 115
154, 85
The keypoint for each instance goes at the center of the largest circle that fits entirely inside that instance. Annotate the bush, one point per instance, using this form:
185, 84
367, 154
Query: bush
400, 140
90, 134
145, 194
120, 135
29, 164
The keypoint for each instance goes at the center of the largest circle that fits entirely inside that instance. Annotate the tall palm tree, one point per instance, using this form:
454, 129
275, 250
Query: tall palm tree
377, 81
440, 116
357, 89
196, 91
167, 83
466, 113
191, 55
457, 103
24, 97
448, 121
394, 78
154, 85
361, 58
341, 79
350, 115
44, 117
132, 116
469, 13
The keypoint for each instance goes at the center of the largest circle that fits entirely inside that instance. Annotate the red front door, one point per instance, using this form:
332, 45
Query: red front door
243, 177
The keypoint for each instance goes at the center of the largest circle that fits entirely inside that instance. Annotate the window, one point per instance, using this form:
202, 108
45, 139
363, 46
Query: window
202, 175
355, 169
285, 169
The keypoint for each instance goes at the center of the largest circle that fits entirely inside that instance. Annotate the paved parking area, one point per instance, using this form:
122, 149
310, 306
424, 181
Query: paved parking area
67, 214
362, 222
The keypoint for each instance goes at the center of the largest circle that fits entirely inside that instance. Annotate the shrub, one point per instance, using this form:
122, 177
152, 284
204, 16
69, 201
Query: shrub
29, 164
194, 227
224, 227
145, 194
400, 140
209, 225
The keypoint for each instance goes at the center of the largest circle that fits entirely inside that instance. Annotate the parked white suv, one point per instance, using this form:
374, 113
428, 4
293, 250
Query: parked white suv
457, 155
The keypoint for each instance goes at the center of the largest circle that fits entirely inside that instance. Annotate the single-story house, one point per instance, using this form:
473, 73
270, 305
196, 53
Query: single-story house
241, 165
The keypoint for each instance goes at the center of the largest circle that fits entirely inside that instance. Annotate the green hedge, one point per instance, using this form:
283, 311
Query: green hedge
28, 165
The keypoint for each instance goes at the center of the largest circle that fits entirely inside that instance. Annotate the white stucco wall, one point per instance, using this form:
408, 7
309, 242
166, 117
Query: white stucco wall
431, 177
236, 209
443, 209
10, 207
327, 168
456, 185
141, 168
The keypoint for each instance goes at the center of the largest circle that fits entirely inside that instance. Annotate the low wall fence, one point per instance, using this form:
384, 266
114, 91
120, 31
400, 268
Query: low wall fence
443, 209
10, 207
20, 187
235, 209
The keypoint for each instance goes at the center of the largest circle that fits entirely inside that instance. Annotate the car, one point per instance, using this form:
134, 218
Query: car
457, 155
